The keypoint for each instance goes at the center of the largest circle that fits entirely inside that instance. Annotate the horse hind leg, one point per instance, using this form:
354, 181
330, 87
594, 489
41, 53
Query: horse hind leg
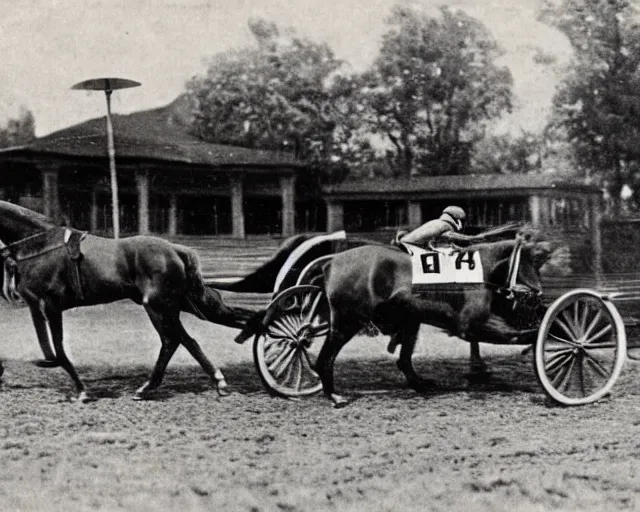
407, 338
172, 333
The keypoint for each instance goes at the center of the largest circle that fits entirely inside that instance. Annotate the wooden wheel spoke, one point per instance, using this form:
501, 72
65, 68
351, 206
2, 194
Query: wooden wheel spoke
291, 323
562, 381
272, 347
310, 303
319, 330
581, 375
564, 341
286, 371
277, 362
298, 374
597, 365
604, 344
278, 329
310, 365
605, 330
570, 323
593, 324
577, 321
285, 364
557, 361
567, 329
584, 317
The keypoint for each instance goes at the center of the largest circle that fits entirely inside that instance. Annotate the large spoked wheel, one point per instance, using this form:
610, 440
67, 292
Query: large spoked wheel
294, 330
581, 348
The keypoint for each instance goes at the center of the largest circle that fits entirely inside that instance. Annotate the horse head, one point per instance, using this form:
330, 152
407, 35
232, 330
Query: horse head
524, 258
17, 222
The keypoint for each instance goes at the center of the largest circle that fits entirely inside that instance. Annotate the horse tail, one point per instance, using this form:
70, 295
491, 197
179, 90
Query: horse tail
262, 279
207, 303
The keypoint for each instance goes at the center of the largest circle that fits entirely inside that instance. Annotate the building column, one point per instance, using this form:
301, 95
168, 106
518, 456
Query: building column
335, 216
142, 184
173, 215
288, 193
414, 213
535, 210
93, 220
237, 206
50, 192
596, 208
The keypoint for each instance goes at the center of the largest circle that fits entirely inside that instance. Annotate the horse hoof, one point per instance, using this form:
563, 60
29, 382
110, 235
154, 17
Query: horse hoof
223, 390
423, 385
141, 393
47, 363
83, 398
339, 401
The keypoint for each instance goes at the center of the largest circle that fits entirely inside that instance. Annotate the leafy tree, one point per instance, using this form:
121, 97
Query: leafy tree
277, 95
506, 153
19, 130
432, 90
597, 105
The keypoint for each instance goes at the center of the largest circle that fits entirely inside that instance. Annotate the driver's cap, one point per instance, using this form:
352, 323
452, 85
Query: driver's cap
455, 211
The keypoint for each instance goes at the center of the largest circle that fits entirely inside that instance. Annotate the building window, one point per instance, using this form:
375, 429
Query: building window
372, 215
565, 212
263, 215
158, 214
204, 215
311, 216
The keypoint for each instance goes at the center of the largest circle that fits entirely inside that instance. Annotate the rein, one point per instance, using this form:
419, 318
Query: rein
5, 250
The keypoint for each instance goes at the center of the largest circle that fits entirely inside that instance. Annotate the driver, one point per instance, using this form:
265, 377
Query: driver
447, 227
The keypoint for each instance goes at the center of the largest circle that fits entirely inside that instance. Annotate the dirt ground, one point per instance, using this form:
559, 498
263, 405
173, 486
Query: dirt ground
501, 446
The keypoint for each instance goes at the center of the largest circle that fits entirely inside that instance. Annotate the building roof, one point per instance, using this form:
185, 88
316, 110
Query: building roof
466, 183
157, 134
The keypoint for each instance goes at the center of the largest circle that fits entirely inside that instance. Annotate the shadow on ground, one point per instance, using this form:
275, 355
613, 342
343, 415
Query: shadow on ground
353, 376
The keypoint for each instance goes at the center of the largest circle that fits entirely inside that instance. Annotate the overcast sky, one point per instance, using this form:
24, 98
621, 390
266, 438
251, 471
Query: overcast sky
48, 45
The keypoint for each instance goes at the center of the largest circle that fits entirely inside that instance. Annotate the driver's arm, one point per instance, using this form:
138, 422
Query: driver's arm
459, 238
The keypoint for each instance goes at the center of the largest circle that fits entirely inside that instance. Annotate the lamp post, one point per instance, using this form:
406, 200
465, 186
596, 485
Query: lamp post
108, 85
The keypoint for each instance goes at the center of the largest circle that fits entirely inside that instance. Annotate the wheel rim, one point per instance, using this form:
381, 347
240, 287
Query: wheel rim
294, 331
581, 348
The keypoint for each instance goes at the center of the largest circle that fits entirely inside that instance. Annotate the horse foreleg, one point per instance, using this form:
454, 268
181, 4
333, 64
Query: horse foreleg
407, 338
341, 332
54, 318
40, 323
478, 369
496, 330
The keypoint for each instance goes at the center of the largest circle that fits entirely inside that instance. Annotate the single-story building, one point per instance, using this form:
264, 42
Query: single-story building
170, 182
566, 210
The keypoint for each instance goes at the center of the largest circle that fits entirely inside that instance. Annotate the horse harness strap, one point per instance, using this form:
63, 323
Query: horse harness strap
17, 252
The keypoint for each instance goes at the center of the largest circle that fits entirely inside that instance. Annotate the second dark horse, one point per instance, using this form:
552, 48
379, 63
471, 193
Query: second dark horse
163, 277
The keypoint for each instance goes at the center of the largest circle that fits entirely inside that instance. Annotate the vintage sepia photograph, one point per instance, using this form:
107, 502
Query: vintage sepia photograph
320, 255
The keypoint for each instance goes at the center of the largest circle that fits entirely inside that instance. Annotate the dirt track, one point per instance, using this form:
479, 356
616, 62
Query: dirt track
497, 447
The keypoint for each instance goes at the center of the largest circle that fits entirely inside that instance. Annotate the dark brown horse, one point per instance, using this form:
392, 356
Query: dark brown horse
53, 273
374, 284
